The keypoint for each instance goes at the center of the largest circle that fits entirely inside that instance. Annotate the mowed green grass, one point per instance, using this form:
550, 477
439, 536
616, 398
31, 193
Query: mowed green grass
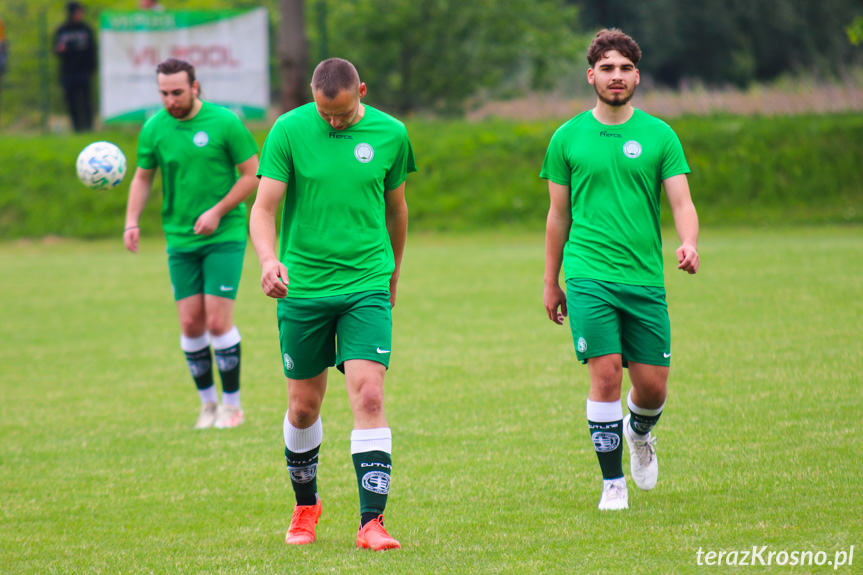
494, 472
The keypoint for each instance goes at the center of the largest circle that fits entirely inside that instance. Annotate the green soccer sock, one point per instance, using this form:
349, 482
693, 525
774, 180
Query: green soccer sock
605, 422
371, 452
303, 468
641, 419
199, 359
227, 348
301, 454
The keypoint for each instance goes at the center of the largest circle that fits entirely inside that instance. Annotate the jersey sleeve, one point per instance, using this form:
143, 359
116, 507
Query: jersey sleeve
276, 160
242, 145
146, 148
673, 159
403, 164
555, 166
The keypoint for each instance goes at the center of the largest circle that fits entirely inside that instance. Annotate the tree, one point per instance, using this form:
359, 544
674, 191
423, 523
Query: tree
435, 54
293, 49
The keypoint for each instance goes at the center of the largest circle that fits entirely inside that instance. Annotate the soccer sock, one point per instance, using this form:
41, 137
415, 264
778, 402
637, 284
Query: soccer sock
642, 420
605, 421
301, 454
227, 348
371, 450
200, 362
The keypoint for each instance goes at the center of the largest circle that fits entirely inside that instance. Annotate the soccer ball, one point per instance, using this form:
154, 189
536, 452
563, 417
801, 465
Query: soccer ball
101, 166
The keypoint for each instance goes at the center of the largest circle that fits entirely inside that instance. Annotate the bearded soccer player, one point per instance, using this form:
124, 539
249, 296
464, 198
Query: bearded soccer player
199, 147
341, 166
606, 169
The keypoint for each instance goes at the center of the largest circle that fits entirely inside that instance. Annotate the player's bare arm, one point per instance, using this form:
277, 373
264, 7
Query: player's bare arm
262, 229
139, 191
208, 222
685, 221
557, 226
397, 228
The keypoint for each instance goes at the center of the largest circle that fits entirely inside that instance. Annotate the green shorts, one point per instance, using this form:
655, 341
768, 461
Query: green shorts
610, 317
316, 333
213, 269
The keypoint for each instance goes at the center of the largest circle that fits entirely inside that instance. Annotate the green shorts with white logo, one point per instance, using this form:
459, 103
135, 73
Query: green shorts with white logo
317, 333
213, 269
610, 317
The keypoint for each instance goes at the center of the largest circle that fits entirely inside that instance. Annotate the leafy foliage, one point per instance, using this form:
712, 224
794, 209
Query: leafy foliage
736, 42
435, 54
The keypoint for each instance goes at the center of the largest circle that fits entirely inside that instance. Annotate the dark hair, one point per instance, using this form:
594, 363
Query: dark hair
72, 7
612, 39
334, 76
174, 66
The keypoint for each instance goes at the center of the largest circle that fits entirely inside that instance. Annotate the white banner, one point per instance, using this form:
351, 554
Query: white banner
229, 50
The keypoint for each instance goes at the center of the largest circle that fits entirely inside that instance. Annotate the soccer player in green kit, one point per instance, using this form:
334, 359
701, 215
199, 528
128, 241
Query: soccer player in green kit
341, 166
605, 170
199, 147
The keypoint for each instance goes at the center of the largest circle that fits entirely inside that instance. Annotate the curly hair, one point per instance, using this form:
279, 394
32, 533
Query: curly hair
612, 39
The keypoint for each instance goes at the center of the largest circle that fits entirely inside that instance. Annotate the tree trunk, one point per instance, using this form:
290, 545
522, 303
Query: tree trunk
293, 50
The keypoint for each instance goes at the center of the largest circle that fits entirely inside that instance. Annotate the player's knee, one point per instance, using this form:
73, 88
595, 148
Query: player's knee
303, 414
218, 325
370, 399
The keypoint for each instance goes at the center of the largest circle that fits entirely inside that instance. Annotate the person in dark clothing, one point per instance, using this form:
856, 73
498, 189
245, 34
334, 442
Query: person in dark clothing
75, 44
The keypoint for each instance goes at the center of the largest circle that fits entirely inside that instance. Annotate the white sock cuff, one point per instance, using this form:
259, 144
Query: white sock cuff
364, 440
641, 410
226, 340
302, 440
190, 344
602, 412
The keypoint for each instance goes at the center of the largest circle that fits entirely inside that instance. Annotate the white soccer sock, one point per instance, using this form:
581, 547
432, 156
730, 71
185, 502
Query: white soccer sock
604, 412
227, 339
641, 411
193, 344
230, 398
365, 440
302, 440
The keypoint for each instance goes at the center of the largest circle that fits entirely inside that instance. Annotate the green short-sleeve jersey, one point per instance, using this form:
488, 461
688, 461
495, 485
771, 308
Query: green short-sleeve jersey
615, 175
334, 238
198, 160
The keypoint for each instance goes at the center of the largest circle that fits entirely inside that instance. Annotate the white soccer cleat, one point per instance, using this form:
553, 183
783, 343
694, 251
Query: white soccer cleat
229, 416
642, 458
614, 495
207, 417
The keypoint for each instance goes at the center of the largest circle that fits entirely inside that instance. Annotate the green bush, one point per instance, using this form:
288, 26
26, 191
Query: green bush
745, 171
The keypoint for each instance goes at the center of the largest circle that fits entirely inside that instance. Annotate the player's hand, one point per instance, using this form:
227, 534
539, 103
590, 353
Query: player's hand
687, 255
555, 303
130, 237
207, 223
274, 279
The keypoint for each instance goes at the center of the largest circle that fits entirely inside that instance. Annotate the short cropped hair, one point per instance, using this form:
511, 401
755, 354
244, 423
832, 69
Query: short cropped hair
175, 66
612, 39
333, 76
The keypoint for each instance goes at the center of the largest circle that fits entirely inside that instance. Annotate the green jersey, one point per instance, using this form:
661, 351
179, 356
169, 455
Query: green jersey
334, 238
198, 160
615, 176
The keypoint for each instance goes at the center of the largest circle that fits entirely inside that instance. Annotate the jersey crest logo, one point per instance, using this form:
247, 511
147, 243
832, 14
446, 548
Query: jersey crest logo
289, 363
376, 482
632, 149
582, 345
604, 441
364, 153
201, 139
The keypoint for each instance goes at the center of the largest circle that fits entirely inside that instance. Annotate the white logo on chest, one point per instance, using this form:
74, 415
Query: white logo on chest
632, 149
201, 139
364, 153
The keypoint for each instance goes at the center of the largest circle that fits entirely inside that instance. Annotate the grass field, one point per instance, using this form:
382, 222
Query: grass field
100, 471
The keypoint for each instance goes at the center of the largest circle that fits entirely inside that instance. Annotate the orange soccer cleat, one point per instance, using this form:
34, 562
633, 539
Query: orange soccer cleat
373, 536
302, 529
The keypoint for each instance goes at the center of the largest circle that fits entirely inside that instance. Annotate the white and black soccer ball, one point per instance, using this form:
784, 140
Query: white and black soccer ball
101, 166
